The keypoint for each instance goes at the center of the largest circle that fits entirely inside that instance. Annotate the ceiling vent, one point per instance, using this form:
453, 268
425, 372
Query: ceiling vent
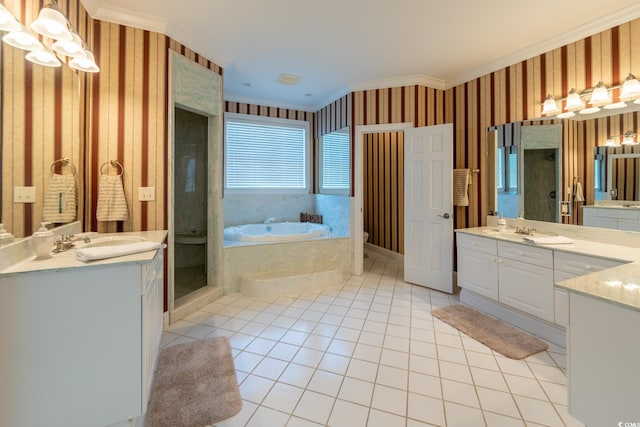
288, 79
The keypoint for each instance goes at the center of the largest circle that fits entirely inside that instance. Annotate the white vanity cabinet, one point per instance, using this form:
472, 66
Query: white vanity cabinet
477, 265
79, 343
612, 217
568, 266
526, 279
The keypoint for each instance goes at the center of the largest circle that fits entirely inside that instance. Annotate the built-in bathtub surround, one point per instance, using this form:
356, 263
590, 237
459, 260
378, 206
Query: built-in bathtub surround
336, 213
285, 259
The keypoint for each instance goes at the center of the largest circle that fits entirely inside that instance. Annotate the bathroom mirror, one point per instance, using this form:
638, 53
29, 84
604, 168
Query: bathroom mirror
528, 170
617, 169
40, 115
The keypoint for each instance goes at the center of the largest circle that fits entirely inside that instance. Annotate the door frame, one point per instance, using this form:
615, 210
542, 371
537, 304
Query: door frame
358, 181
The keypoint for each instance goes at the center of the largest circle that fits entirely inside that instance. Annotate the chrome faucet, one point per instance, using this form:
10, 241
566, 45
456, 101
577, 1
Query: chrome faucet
269, 220
525, 230
66, 241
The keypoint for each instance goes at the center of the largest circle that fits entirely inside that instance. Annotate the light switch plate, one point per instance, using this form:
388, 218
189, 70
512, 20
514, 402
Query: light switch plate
24, 194
146, 194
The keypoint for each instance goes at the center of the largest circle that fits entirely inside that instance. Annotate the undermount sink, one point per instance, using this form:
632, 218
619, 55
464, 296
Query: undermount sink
112, 241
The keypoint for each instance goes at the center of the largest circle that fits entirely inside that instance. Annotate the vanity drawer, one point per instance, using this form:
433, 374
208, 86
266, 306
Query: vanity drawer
525, 253
578, 265
481, 244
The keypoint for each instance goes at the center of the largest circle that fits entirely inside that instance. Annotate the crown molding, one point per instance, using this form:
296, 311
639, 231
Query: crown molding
416, 79
268, 103
601, 24
121, 16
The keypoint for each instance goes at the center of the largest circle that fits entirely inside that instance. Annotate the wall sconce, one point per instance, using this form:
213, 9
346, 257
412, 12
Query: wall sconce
54, 25
628, 138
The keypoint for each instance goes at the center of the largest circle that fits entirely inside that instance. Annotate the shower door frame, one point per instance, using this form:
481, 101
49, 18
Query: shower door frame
199, 91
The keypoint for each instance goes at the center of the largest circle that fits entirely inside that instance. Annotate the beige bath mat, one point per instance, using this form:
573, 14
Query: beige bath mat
195, 385
495, 334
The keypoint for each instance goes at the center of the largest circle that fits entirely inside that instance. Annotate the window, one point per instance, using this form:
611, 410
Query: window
266, 154
335, 166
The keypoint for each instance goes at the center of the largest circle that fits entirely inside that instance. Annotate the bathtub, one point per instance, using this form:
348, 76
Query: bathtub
275, 232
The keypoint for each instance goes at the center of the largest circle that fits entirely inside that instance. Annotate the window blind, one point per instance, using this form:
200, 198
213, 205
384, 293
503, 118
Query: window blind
264, 156
336, 164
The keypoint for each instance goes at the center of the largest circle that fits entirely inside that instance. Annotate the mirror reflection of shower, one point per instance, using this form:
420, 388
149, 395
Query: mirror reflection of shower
190, 199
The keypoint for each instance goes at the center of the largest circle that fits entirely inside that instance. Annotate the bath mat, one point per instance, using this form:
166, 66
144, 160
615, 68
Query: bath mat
195, 385
495, 334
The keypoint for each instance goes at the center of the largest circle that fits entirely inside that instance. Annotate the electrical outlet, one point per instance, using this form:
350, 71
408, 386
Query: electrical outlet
24, 194
146, 194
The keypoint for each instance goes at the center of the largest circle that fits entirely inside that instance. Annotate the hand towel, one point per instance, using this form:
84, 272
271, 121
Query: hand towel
61, 199
93, 254
578, 196
548, 240
461, 181
112, 205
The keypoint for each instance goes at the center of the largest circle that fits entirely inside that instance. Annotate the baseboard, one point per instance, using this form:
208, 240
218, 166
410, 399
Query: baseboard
194, 301
384, 252
545, 330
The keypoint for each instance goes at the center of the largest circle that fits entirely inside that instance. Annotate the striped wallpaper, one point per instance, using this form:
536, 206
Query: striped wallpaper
117, 114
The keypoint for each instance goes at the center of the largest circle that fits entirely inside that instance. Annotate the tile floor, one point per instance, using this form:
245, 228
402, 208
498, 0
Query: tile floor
371, 354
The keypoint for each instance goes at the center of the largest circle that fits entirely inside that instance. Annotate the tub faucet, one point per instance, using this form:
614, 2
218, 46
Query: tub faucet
269, 220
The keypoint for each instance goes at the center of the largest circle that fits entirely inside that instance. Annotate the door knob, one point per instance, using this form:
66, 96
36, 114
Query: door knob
445, 216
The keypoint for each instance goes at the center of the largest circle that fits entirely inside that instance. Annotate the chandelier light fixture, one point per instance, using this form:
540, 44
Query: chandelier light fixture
55, 28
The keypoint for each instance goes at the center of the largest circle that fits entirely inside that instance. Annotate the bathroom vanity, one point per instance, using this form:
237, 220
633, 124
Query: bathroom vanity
80, 340
615, 217
589, 288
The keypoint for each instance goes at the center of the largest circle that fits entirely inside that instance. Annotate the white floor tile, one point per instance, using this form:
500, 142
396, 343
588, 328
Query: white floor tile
254, 388
371, 354
427, 385
426, 409
325, 382
268, 417
356, 391
363, 370
270, 368
538, 411
314, 407
463, 416
389, 399
464, 394
384, 419
297, 375
498, 402
392, 377
283, 397
348, 414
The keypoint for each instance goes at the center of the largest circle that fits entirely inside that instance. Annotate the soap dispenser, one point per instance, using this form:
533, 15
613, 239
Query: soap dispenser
42, 242
5, 236
502, 223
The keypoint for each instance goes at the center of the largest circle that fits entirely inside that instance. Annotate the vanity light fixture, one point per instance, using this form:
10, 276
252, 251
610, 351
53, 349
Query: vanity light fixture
629, 138
630, 89
611, 143
7, 21
550, 106
52, 23
600, 95
86, 63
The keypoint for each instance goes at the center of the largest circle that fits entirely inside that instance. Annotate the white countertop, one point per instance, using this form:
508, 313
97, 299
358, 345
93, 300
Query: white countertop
67, 259
619, 285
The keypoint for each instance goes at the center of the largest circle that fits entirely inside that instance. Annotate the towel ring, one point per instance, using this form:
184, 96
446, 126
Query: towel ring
116, 164
64, 162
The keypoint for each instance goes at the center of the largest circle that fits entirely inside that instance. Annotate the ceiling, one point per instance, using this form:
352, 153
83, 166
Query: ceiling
340, 46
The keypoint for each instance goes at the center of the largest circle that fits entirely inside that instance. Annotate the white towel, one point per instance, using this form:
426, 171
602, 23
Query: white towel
103, 252
578, 196
461, 181
61, 199
548, 240
112, 205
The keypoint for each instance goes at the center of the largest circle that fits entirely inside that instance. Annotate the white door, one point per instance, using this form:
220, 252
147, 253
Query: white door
428, 207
